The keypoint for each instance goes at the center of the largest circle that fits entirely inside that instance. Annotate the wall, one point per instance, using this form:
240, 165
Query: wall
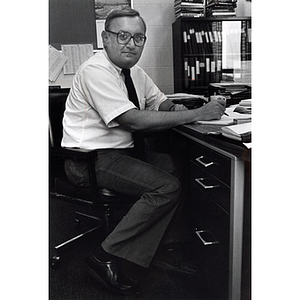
243, 8
157, 59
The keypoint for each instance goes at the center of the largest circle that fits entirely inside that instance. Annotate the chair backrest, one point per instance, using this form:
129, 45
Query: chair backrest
57, 100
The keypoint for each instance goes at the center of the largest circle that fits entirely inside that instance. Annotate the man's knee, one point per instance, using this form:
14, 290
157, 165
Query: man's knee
171, 189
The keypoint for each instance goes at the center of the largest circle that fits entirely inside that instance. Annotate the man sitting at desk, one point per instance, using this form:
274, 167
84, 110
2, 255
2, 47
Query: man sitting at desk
104, 112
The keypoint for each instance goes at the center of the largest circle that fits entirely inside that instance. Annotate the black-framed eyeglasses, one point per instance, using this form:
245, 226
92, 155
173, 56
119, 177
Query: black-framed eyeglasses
123, 37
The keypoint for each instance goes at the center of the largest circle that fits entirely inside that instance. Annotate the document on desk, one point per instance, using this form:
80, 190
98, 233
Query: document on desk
225, 120
56, 62
239, 132
231, 118
77, 54
239, 117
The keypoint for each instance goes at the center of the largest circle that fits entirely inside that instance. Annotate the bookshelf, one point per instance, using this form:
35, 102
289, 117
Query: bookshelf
211, 50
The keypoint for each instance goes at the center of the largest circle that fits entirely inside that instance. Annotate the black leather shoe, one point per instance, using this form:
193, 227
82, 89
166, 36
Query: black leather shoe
108, 275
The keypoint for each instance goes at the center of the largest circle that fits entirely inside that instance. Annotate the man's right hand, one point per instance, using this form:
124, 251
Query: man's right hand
213, 110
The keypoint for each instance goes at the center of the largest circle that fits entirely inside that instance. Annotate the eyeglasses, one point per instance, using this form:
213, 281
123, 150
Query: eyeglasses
123, 37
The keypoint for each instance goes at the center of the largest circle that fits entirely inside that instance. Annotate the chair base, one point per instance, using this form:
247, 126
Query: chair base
55, 261
111, 201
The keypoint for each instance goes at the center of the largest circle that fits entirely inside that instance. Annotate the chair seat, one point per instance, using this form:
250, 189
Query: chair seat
84, 194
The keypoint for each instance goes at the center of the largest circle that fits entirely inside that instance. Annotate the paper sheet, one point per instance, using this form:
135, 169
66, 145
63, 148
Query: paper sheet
77, 54
235, 115
225, 120
238, 129
56, 62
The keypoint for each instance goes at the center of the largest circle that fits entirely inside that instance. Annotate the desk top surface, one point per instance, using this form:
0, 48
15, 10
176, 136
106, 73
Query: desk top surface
210, 134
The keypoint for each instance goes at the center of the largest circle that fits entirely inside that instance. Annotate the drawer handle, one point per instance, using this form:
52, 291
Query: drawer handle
199, 180
208, 233
198, 159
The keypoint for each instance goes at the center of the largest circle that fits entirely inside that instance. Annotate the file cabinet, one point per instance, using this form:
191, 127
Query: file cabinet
217, 196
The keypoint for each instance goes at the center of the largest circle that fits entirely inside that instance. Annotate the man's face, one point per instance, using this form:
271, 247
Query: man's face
123, 55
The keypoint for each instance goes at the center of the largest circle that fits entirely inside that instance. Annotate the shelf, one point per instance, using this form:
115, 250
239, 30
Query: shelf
204, 49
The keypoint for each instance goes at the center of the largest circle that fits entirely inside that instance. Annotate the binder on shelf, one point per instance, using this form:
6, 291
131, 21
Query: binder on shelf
197, 70
207, 70
202, 57
193, 72
202, 71
186, 72
189, 42
184, 39
193, 40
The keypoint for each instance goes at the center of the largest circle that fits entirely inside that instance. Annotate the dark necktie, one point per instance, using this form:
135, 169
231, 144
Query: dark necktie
138, 137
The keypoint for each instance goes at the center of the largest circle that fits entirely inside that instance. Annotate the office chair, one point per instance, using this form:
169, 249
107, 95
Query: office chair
101, 201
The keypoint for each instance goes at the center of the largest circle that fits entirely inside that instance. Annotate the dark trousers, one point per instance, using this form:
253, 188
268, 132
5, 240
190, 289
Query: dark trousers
154, 182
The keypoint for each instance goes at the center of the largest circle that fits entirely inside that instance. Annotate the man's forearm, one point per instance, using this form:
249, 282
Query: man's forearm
145, 120
168, 105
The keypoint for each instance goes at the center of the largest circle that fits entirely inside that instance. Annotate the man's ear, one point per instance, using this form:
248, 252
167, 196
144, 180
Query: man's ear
105, 38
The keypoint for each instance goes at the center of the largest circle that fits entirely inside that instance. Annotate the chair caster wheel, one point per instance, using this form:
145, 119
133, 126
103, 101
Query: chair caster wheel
77, 222
55, 262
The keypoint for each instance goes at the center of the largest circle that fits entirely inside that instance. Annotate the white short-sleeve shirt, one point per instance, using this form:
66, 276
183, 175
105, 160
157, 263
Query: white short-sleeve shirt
98, 95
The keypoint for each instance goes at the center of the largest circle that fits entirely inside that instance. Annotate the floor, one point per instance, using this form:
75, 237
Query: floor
72, 280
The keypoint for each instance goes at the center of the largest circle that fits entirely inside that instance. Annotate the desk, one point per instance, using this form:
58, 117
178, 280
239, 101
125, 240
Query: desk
220, 199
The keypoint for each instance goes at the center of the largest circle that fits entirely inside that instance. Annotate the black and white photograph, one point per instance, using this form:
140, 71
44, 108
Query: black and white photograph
150, 142
135, 163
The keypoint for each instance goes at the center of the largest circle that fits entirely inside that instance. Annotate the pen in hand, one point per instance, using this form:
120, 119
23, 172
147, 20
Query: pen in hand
220, 99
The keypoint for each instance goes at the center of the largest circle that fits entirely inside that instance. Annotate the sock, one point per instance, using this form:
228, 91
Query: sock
102, 255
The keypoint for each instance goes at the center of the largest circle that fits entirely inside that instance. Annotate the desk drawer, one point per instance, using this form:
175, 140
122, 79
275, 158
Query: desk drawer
203, 181
211, 225
207, 215
212, 161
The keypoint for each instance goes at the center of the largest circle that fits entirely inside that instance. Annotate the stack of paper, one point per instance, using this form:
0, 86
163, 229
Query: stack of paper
239, 132
188, 8
241, 116
246, 102
230, 118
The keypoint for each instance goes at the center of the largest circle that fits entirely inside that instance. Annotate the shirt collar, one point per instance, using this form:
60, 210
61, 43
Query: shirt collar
118, 69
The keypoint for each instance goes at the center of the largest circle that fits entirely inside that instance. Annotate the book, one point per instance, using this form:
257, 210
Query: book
209, 2
239, 132
216, 8
189, 8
